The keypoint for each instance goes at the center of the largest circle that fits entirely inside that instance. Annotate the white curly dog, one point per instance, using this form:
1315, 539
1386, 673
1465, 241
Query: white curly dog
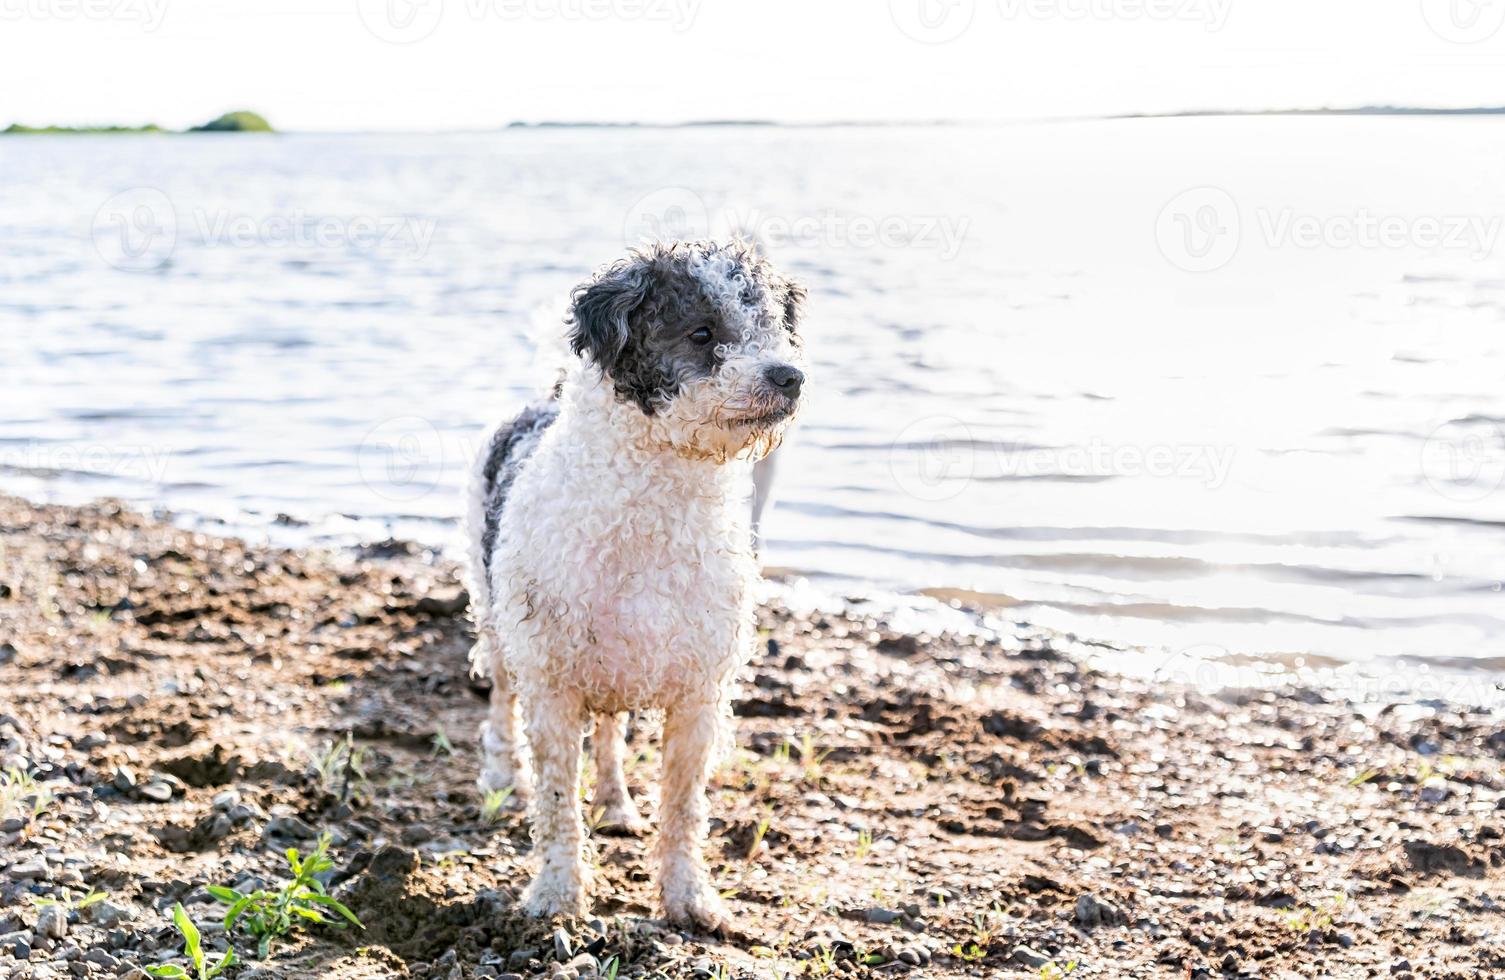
611, 563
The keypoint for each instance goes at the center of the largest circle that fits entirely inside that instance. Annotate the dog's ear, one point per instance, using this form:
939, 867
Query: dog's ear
601, 308
795, 295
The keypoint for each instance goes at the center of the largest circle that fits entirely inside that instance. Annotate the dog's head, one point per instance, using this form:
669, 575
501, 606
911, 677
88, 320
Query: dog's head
703, 338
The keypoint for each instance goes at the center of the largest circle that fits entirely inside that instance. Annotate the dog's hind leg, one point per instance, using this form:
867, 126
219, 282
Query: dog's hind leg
503, 764
612, 809
690, 738
556, 727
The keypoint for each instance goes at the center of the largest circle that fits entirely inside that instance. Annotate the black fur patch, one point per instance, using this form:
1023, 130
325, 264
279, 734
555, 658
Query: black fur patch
504, 459
637, 318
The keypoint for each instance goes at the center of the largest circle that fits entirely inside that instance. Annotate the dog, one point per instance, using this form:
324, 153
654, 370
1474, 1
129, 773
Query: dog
612, 565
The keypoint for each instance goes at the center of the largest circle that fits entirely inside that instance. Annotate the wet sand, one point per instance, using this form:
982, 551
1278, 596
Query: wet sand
936, 806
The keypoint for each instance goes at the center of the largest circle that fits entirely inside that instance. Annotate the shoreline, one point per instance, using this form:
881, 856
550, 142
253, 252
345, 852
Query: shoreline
899, 802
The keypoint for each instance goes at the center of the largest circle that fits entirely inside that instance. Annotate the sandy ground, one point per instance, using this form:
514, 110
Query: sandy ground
177, 709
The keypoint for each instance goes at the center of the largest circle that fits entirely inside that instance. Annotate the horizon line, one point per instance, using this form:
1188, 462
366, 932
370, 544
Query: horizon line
763, 123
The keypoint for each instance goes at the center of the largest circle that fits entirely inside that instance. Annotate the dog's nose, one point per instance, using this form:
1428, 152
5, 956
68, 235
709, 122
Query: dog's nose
786, 378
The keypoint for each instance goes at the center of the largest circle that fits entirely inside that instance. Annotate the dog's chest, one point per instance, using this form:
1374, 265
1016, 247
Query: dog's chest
638, 579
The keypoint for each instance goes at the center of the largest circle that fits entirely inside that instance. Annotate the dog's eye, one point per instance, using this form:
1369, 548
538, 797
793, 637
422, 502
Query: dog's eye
703, 335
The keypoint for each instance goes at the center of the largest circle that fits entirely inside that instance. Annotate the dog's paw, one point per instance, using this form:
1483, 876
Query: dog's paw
554, 895
694, 904
496, 779
617, 820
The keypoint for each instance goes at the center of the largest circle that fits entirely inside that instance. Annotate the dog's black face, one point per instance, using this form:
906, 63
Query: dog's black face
703, 333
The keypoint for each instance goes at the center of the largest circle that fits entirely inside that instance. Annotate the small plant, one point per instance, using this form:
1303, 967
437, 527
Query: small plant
609, 971
758, 834
194, 950
811, 758
1057, 971
442, 744
823, 963
969, 952
1311, 918
1363, 777
270, 915
16, 787
864, 844
67, 904
493, 803
341, 768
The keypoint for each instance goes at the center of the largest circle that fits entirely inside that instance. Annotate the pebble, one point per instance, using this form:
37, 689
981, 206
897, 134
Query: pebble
223, 801
33, 870
1031, 958
157, 791
883, 916
53, 922
562, 949
584, 965
101, 958
289, 827
1093, 911
13, 824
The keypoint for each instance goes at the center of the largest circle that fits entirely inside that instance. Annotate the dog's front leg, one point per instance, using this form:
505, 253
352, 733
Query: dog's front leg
556, 726
690, 732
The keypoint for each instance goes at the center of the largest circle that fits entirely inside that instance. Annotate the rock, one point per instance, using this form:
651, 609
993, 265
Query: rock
158, 791
1400, 966
444, 605
882, 917
53, 922
99, 957
33, 870
223, 801
12, 825
289, 828
107, 914
7, 652
584, 965
520, 957
123, 779
1030, 958
1092, 911
562, 948
907, 955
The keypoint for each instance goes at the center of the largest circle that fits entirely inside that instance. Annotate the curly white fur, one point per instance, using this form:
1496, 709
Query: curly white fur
621, 579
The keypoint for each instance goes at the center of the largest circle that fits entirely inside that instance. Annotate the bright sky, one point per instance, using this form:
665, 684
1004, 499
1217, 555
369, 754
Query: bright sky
440, 64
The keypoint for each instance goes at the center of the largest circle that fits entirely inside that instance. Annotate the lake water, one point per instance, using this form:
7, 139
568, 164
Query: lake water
1199, 384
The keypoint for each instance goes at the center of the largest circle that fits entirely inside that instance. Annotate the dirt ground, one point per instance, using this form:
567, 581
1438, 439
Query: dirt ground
176, 710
